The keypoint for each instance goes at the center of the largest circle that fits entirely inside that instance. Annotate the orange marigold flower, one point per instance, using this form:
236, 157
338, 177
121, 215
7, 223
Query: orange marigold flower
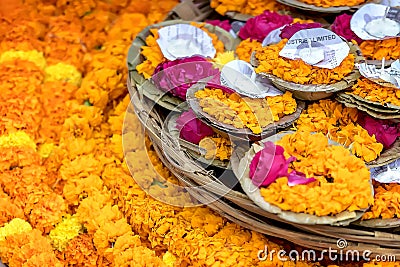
246, 48
298, 71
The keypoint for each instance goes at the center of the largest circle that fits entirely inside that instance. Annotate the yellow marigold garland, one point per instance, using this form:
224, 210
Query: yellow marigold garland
242, 112
296, 70
343, 181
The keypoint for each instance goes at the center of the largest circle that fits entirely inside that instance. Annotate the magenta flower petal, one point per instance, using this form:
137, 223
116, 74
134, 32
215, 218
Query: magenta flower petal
268, 165
191, 128
259, 27
296, 178
224, 24
341, 26
289, 30
385, 132
179, 75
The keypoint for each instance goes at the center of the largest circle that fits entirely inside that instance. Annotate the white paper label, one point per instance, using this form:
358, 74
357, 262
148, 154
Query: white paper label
376, 22
318, 47
389, 77
241, 77
388, 173
183, 40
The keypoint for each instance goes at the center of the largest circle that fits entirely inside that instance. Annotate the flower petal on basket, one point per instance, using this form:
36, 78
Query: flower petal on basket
179, 75
341, 26
385, 132
269, 164
296, 178
259, 27
224, 24
191, 128
289, 30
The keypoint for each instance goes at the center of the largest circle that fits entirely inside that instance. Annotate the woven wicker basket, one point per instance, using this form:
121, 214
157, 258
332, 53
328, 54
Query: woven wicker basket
147, 88
230, 201
316, 91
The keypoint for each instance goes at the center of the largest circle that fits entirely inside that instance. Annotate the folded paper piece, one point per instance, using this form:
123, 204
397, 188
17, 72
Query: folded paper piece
389, 77
318, 47
183, 40
241, 77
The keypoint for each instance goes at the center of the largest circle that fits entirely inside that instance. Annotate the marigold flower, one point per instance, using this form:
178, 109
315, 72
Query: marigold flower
339, 123
63, 72
17, 139
32, 56
15, 226
65, 231
386, 203
246, 48
334, 169
298, 71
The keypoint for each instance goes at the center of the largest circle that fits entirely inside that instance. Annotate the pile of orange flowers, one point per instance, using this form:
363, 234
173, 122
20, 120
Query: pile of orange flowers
339, 123
241, 112
298, 71
153, 55
246, 47
378, 49
372, 91
387, 202
333, 3
249, 7
216, 147
342, 180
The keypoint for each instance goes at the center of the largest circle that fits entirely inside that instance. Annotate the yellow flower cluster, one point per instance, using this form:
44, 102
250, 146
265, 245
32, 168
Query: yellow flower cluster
339, 123
249, 7
342, 180
377, 93
298, 71
243, 112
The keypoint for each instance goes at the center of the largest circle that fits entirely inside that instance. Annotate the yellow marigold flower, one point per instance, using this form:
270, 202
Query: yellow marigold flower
15, 226
45, 150
169, 259
222, 58
17, 139
63, 72
65, 231
32, 56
